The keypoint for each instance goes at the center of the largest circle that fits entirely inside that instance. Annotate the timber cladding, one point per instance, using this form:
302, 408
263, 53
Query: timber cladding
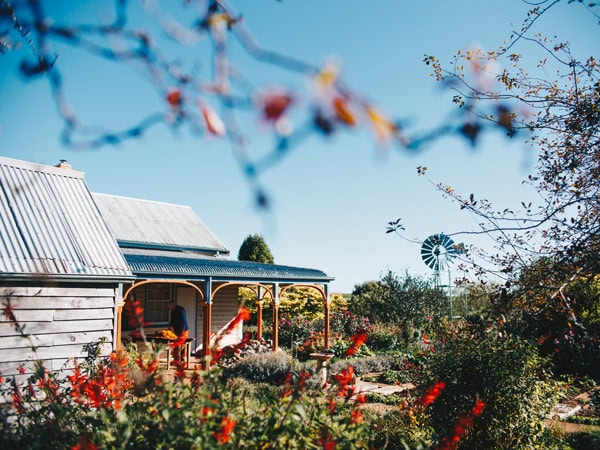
58, 322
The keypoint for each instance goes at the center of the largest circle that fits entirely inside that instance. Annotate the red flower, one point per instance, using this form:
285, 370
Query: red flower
134, 313
478, 408
84, 444
242, 315
227, 426
356, 416
358, 340
8, 313
174, 98
346, 382
331, 406
17, 399
149, 367
361, 398
274, 105
459, 430
433, 393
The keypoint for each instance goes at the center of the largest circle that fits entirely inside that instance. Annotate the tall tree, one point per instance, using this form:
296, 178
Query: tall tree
254, 248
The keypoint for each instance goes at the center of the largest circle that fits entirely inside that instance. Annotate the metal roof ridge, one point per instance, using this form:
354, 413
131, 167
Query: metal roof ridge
40, 167
137, 199
179, 249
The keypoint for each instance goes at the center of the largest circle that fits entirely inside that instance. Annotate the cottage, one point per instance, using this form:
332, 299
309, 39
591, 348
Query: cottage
68, 258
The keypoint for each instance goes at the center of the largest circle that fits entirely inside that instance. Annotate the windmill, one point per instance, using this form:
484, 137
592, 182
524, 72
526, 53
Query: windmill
438, 252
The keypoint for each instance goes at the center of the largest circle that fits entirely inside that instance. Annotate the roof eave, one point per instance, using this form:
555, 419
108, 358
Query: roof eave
71, 278
225, 278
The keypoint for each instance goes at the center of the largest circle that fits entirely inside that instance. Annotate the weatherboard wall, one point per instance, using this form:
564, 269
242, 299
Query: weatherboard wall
59, 323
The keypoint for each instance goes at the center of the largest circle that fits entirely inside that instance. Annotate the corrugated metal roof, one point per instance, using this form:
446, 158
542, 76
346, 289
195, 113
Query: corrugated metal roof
147, 264
49, 224
149, 224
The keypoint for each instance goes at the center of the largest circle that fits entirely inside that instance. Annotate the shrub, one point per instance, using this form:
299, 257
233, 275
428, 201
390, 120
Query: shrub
502, 371
347, 324
303, 303
316, 343
268, 367
293, 331
386, 337
583, 440
401, 429
410, 369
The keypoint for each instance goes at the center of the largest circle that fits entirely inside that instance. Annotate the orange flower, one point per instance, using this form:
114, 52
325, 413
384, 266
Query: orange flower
242, 315
433, 393
342, 112
227, 426
134, 313
356, 416
85, 444
459, 430
384, 129
346, 382
174, 98
358, 340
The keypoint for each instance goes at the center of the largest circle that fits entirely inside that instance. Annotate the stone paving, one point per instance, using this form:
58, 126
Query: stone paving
364, 387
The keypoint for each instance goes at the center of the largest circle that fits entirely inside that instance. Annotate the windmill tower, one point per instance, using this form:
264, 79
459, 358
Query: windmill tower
438, 252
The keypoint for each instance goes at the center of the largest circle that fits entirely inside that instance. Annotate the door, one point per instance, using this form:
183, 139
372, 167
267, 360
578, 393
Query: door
186, 297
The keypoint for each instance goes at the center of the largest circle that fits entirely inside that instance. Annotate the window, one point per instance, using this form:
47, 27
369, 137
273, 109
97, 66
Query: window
158, 297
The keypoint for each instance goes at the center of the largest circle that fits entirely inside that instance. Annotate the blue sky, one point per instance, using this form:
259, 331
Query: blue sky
331, 197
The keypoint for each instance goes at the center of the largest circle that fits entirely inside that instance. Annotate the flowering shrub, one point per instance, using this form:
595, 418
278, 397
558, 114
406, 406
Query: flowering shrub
386, 337
347, 324
127, 402
294, 330
501, 370
315, 342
